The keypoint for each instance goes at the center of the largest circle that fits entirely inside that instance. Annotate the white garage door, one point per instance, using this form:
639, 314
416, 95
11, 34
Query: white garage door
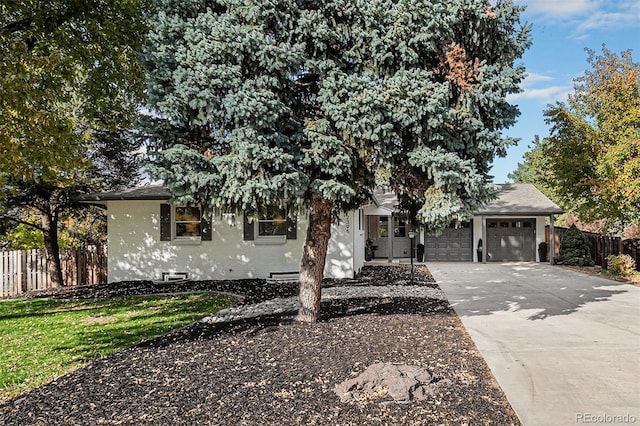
511, 240
453, 245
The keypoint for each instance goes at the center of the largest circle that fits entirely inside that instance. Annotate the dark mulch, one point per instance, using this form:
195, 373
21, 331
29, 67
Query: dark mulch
273, 371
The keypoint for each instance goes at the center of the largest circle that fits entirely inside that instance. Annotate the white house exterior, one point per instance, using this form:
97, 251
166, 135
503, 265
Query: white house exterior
137, 251
151, 239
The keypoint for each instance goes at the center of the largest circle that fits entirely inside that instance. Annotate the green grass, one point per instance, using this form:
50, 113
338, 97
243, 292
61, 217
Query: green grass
44, 339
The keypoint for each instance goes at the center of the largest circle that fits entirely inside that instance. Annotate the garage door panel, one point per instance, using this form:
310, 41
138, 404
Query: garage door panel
453, 245
511, 240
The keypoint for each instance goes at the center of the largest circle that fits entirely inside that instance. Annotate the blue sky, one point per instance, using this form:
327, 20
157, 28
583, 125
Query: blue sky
562, 29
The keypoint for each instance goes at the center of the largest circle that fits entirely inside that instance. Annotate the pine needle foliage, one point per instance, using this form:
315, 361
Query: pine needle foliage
258, 102
314, 104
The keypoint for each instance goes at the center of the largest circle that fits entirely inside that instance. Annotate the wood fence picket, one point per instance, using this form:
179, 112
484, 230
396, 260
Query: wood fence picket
28, 270
603, 246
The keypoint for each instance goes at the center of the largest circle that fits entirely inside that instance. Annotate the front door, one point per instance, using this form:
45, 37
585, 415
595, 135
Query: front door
379, 233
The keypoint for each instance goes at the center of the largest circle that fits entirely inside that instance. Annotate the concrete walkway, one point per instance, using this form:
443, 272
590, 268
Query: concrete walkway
564, 346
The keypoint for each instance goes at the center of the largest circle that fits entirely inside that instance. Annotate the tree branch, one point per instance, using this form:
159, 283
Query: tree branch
22, 222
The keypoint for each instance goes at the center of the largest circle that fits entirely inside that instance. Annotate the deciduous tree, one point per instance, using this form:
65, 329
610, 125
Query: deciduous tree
590, 163
313, 104
70, 81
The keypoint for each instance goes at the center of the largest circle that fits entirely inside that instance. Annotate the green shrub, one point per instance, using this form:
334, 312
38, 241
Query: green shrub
621, 264
574, 248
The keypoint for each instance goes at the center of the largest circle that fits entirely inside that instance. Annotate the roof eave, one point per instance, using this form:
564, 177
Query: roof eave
516, 213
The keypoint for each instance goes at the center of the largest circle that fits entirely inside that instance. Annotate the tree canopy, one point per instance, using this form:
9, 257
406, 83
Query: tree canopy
70, 79
315, 103
590, 162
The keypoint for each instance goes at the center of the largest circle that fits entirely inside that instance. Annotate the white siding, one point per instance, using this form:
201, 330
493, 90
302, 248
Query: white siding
477, 234
136, 252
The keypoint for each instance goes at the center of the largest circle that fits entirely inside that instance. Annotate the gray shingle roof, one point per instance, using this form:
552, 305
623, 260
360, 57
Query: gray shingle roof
513, 199
386, 199
520, 199
148, 192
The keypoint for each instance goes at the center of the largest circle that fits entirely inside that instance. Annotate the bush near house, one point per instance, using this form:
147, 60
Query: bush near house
621, 264
574, 248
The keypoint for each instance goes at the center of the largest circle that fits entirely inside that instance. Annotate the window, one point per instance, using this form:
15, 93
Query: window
399, 227
272, 226
272, 223
187, 222
184, 224
383, 226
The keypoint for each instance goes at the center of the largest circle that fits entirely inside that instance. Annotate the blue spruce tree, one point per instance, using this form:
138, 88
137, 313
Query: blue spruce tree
313, 104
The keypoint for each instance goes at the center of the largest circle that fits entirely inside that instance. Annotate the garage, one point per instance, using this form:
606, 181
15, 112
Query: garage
453, 245
511, 240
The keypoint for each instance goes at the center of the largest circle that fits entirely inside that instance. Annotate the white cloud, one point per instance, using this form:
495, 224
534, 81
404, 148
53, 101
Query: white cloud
585, 15
560, 9
546, 94
532, 78
610, 20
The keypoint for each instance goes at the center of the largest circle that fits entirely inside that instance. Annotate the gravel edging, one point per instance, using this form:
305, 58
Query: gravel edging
269, 370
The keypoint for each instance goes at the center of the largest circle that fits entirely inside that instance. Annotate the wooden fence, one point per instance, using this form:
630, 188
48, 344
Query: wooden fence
601, 245
27, 270
632, 248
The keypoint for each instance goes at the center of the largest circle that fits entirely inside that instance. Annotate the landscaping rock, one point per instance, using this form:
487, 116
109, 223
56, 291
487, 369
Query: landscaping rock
403, 383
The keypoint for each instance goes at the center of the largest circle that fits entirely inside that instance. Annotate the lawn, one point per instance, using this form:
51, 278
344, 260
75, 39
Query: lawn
42, 339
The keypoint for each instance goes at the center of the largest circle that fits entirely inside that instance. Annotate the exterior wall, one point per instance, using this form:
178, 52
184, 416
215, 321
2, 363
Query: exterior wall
477, 235
359, 226
342, 250
477, 231
136, 252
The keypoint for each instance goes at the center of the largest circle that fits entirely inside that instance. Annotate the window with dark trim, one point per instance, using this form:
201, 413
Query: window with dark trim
183, 223
187, 222
273, 225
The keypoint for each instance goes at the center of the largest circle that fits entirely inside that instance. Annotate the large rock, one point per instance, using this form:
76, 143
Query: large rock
403, 383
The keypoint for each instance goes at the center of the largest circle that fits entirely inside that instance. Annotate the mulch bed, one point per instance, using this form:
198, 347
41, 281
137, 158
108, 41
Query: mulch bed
274, 371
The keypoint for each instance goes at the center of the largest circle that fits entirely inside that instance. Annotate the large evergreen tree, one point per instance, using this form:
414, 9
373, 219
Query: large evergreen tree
313, 103
70, 82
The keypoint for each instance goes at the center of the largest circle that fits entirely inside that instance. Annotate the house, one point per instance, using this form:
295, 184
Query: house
148, 238
511, 228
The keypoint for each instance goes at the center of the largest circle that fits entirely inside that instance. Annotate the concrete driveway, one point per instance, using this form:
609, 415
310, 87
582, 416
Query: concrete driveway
564, 346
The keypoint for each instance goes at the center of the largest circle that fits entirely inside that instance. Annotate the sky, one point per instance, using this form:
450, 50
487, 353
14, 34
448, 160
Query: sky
562, 29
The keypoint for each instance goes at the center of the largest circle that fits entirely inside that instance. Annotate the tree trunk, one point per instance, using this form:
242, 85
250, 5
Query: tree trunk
313, 259
52, 249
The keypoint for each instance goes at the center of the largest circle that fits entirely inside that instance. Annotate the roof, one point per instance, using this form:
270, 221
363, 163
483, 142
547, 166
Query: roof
520, 199
386, 199
513, 199
148, 192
